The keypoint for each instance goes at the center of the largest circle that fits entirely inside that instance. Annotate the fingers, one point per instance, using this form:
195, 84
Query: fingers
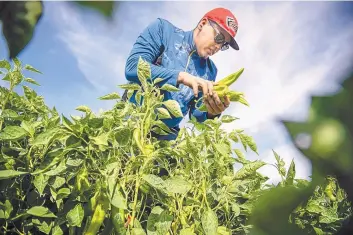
210, 89
218, 108
209, 107
217, 100
195, 88
226, 101
204, 86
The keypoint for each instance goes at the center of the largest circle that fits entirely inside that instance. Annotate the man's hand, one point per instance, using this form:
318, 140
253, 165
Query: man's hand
215, 106
213, 103
197, 84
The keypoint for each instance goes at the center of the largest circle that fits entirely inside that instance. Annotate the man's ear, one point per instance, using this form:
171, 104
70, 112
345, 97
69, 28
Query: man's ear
202, 23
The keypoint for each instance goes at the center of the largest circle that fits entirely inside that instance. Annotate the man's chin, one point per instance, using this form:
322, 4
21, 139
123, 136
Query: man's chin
205, 55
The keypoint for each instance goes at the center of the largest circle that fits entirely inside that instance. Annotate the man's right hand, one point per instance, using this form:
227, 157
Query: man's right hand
197, 84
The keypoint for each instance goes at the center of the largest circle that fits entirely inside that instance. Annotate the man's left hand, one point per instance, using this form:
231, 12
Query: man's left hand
214, 104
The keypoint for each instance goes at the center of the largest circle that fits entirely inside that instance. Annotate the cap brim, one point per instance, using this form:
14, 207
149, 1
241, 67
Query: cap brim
234, 44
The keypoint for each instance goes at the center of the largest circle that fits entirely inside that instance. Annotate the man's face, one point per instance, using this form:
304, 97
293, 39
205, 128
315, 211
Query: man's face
206, 39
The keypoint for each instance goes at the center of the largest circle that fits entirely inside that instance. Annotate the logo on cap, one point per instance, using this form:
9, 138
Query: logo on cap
232, 24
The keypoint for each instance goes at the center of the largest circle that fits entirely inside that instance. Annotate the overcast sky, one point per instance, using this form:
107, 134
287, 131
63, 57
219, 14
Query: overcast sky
289, 50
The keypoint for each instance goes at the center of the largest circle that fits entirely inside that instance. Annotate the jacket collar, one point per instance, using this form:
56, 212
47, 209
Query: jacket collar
189, 38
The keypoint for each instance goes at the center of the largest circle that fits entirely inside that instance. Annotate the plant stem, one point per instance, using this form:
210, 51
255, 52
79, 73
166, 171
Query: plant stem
137, 185
3, 105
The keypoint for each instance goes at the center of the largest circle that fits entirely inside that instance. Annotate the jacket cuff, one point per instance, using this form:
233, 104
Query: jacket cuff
174, 79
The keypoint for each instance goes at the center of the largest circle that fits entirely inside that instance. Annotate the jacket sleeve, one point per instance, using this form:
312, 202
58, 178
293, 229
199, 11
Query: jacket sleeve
149, 45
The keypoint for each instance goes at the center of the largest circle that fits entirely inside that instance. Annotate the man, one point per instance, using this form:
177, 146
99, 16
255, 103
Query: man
182, 59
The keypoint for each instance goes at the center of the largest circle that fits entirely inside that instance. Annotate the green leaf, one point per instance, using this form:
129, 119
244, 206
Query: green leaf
75, 216
137, 231
138, 97
318, 231
29, 127
243, 140
143, 72
5, 209
12, 133
240, 154
57, 182
7, 174
164, 223
57, 230
118, 200
60, 168
130, 86
46, 137
159, 131
209, 222
101, 139
280, 164
233, 136
5, 64
111, 96
168, 87
96, 122
153, 219
32, 69
7, 77
235, 209
42, 226
173, 107
221, 230
67, 123
228, 119
123, 136
314, 207
84, 109
177, 184
8, 113
30, 80
163, 113
158, 80
41, 211
290, 174
249, 169
162, 125
62, 193
251, 143
159, 221
19, 20
154, 181
187, 231
17, 63
74, 162
106, 8
223, 149
130, 93
40, 182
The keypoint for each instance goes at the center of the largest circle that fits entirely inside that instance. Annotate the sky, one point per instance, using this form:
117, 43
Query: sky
289, 50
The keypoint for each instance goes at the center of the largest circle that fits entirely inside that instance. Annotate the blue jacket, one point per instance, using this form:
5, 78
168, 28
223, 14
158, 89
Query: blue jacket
167, 49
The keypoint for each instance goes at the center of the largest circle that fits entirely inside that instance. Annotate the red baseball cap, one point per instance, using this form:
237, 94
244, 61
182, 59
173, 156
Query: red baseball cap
225, 19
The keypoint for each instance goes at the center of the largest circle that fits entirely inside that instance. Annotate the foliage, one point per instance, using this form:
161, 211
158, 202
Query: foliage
20, 18
329, 128
94, 174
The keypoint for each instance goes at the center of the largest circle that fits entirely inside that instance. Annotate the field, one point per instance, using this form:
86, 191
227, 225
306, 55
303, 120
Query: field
104, 174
